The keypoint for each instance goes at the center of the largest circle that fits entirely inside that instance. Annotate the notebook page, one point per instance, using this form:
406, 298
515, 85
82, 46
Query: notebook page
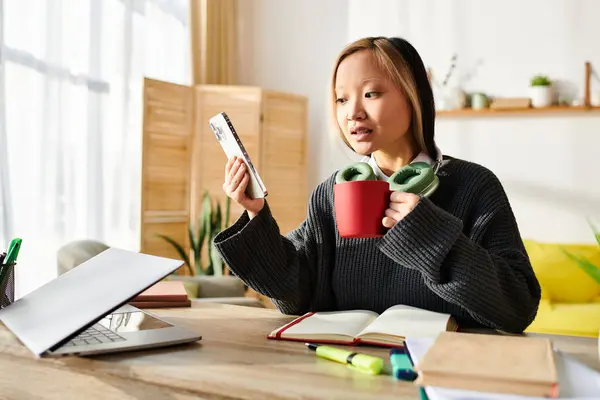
407, 321
333, 322
577, 380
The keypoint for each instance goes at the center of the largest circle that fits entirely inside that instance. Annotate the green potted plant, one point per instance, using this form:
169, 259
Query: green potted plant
540, 91
204, 262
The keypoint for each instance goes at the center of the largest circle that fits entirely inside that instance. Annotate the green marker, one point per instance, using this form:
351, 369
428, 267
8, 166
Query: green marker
11, 257
13, 251
363, 362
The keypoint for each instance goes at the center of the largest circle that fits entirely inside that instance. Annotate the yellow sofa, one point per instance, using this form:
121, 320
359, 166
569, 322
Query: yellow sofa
570, 302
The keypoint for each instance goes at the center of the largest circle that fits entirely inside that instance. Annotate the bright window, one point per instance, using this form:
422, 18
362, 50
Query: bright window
71, 106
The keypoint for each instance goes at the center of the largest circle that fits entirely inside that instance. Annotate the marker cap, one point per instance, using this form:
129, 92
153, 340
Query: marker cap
367, 363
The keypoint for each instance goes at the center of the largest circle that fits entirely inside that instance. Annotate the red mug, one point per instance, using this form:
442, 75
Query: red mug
360, 207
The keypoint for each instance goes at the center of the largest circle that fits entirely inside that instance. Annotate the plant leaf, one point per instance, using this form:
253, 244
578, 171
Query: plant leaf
592, 270
193, 243
217, 220
202, 231
594, 230
180, 250
227, 210
217, 261
207, 229
197, 249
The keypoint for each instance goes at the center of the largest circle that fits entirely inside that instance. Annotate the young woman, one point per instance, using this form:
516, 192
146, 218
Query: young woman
458, 251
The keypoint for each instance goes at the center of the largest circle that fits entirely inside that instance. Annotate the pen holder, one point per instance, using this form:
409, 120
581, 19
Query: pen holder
7, 286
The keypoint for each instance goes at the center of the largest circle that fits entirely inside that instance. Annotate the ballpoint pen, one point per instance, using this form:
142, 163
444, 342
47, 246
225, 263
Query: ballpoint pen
363, 362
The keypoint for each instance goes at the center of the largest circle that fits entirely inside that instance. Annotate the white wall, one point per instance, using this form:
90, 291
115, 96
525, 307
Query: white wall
291, 46
550, 165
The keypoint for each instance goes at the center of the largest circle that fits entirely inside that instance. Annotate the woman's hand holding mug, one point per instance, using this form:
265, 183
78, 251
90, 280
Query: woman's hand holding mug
401, 204
236, 182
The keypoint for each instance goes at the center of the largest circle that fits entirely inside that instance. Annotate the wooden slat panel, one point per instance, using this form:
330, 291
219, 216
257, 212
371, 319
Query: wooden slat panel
283, 163
166, 162
176, 230
242, 105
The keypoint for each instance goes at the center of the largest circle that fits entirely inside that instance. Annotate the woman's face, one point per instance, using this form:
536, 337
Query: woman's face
372, 112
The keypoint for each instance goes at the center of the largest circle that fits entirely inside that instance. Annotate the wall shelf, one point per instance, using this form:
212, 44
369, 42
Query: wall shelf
585, 109
488, 112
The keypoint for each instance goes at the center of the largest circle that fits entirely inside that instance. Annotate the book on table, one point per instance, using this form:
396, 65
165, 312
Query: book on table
515, 365
353, 327
163, 294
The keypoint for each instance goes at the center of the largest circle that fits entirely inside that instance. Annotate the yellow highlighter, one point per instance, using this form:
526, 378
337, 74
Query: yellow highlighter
363, 362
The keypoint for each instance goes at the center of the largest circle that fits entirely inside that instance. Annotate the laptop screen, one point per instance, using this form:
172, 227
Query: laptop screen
131, 321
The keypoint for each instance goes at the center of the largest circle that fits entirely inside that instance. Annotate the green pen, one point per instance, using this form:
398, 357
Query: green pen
11, 257
363, 362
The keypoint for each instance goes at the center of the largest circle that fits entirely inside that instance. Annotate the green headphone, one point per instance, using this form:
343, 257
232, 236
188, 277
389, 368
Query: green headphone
418, 177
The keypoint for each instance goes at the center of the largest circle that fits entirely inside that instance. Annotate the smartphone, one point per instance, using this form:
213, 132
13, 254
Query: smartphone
232, 146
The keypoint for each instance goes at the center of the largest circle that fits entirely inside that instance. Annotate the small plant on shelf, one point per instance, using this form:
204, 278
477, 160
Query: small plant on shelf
541, 91
210, 223
540, 80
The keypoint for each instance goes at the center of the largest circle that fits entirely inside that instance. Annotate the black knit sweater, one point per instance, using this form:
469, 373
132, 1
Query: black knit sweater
457, 252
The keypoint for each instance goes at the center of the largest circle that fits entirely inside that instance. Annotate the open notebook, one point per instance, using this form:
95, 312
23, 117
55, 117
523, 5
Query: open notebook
366, 327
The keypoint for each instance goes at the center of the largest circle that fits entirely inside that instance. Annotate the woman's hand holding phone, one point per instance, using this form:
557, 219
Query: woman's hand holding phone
236, 182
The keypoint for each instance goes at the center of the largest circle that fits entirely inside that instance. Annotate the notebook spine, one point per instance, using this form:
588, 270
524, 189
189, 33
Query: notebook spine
320, 341
294, 322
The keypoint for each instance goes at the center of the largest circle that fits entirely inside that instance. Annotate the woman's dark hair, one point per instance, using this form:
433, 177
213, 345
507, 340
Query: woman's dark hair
403, 64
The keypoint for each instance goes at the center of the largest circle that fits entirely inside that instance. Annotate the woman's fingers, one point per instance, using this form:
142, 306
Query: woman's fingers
230, 166
243, 184
397, 206
393, 214
236, 176
231, 173
239, 192
388, 222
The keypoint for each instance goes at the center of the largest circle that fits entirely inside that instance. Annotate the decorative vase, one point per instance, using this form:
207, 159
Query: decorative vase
595, 100
452, 98
541, 96
457, 98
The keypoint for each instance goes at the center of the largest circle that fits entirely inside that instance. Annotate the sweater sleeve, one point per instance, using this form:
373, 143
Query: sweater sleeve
283, 268
487, 273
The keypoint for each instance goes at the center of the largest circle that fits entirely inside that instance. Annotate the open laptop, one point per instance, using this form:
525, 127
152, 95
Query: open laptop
85, 311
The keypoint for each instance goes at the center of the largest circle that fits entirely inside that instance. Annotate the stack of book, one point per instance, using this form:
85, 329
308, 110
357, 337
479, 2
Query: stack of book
164, 294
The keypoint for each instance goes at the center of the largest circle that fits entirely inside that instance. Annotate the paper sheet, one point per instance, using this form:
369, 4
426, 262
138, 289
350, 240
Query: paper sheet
577, 380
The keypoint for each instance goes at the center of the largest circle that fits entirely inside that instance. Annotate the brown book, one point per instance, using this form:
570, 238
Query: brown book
516, 365
517, 103
161, 304
163, 291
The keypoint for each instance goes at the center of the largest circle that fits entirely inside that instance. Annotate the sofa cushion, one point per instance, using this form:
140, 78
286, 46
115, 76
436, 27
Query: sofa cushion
567, 319
212, 286
561, 279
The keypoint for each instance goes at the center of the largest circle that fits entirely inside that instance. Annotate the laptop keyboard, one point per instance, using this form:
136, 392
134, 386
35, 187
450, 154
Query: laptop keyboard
96, 334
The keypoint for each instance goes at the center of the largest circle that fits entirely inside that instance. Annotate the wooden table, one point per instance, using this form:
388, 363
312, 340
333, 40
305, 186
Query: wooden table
234, 360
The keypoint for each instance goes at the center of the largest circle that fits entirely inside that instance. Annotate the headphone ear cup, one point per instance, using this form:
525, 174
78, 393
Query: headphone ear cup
417, 178
360, 171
